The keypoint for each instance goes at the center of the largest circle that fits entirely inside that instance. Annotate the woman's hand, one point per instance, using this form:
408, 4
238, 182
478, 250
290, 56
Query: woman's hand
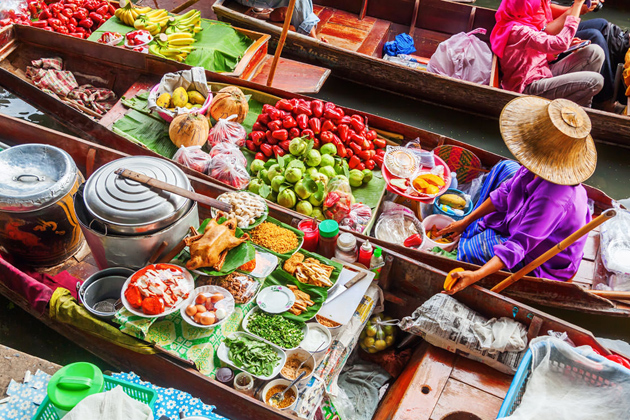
576, 9
455, 228
575, 41
463, 279
594, 4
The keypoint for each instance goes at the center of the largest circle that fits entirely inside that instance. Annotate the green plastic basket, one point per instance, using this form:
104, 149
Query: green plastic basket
140, 393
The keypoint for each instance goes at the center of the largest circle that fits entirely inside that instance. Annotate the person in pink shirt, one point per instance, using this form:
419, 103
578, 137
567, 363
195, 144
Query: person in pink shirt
527, 53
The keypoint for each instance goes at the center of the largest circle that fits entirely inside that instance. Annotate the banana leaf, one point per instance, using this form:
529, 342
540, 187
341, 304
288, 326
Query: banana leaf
298, 233
236, 257
318, 294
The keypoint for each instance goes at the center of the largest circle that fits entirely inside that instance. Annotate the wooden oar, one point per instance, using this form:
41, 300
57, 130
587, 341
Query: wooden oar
611, 294
181, 7
608, 214
281, 41
155, 183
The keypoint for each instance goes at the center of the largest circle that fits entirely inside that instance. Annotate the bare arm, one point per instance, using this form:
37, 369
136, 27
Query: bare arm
459, 226
560, 14
464, 279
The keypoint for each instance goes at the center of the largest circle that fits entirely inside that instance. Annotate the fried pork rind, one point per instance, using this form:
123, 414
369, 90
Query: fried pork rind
302, 301
291, 264
311, 271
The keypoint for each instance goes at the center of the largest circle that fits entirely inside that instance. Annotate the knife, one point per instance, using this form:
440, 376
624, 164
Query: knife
345, 287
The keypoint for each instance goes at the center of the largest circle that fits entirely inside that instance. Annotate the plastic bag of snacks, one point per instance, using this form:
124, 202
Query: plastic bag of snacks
379, 333
230, 170
358, 217
241, 286
194, 158
228, 149
227, 131
338, 199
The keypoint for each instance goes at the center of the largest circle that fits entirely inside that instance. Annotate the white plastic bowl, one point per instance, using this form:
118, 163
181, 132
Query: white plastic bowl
315, 325
440, 221
302, 355
228, 305
263, 395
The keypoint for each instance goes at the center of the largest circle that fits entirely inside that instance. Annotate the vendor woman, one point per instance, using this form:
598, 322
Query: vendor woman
541, 204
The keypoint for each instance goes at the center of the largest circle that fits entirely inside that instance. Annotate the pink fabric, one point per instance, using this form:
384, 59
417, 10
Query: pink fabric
524, 59
37, 291
531, 13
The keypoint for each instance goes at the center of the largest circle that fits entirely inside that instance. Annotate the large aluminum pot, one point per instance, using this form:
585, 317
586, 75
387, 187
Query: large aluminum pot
133, 252
38, 225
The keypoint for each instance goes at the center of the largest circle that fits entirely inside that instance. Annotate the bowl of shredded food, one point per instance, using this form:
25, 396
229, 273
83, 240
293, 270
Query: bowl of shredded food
292, 369
279, 385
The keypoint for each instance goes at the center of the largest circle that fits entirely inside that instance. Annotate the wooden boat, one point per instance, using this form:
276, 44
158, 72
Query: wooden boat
127, 73
357, 30
427, 383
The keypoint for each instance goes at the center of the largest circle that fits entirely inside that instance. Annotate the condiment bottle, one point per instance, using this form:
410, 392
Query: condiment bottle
377, 262
311, 234
244, 382
225, 376
328, 234
346, 248
365, 254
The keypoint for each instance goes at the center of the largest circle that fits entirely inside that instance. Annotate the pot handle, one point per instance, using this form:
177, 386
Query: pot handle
29, 178
103, 224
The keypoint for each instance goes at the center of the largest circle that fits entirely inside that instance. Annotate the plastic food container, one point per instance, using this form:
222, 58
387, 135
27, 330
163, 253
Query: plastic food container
316, 349
301, 355
72, 383
440, 221
267, 388
227, 304
438, 209
202, 110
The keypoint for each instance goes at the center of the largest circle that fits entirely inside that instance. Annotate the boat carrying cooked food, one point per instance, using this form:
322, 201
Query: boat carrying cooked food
210, 248
275, 238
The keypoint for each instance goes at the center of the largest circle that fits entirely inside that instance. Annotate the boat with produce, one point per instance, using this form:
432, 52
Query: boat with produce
190, 348
357, 31
186, 38
130, 128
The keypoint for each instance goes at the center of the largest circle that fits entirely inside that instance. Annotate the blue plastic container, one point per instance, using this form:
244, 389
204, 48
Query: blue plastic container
437, 209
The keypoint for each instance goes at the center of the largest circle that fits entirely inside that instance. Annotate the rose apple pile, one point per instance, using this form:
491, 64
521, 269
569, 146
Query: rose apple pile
322, 122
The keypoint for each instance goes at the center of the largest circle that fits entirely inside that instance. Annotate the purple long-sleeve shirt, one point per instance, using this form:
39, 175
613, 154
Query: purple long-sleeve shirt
535, 214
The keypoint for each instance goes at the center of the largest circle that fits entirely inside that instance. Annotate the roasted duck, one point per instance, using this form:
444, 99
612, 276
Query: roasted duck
211, 248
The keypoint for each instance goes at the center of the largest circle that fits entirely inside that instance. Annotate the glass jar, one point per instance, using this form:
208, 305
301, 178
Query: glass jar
244, 382
328, 234
311, 234
346, 248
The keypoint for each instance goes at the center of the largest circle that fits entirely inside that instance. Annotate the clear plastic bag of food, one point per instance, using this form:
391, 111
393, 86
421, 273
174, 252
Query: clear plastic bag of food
230, 170
14, 9
397, 223
358, 217
338, 199
227, 131
615, 248
261, 266
228, 149
194, 158
379, 333
242, 286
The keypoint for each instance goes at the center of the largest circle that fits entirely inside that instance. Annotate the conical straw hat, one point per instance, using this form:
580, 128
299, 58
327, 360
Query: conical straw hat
550, 138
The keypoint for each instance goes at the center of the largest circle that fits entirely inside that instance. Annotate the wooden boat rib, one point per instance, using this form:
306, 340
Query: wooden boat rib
355, 44
127, 72
406, 284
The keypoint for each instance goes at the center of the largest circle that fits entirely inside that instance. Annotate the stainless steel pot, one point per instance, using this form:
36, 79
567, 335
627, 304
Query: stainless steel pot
121, 206
101, 291
37, 221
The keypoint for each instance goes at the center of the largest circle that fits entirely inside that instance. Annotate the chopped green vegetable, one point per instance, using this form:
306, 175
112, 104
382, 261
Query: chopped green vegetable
283, 332
254, 356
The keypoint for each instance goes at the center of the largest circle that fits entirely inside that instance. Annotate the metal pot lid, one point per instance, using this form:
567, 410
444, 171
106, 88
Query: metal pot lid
124, 204
33, 176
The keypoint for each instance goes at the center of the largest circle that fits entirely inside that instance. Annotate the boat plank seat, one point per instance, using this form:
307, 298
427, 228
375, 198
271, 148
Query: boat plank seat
437, 384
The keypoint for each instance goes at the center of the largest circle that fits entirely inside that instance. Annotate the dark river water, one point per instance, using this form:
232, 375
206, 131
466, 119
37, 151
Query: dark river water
21, 331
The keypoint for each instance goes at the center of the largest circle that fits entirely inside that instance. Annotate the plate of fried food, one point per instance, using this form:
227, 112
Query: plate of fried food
310, 268
306, 300
157, 290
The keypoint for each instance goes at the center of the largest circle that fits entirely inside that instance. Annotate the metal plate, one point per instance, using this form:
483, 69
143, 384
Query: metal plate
127, 207
33, 176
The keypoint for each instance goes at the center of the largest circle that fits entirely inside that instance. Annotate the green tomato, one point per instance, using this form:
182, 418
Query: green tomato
367, 176
356, 178
304, 207
254, 185
297, 146
274, 171
329, 171
287, 198
328, 149
314, 158
301, 190
257, 165
327, 160
276, 182
293, 175
296, 164
311, 172
317, 212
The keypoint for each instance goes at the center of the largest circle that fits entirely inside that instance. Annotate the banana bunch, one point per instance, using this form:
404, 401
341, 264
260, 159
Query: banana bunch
153, 21
130, 13
189, 22
449, 282
175, 46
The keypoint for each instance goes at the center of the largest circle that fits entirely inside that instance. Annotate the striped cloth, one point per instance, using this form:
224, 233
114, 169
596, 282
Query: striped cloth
476, 246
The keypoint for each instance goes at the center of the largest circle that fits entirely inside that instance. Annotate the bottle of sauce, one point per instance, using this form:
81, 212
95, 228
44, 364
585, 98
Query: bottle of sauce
328, 234
346, 248
311, 234
377, 262
365, 254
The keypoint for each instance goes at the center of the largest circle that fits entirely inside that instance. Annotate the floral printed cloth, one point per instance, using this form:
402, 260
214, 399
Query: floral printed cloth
25, 398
